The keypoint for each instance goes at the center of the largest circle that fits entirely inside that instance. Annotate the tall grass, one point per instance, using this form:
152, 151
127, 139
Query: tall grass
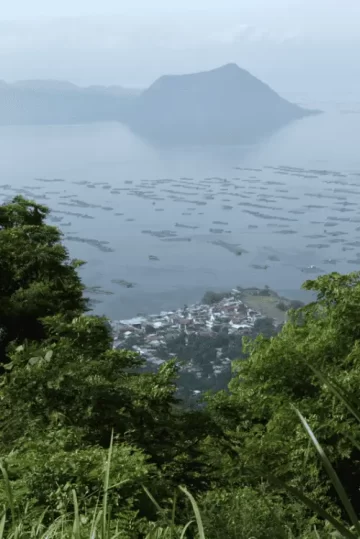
352, 532
103, 526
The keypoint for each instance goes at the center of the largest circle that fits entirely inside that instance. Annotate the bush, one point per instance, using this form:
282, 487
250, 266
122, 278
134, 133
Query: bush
211, 297
245, 512
296, 304
44, 472
282, 306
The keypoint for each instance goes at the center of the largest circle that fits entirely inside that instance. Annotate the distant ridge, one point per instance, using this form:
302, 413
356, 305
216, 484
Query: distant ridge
51, 85
46, 85
41, 102
224, 105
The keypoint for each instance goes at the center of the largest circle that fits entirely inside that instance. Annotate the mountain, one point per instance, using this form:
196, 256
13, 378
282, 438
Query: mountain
46, 85
224, 105
34, 102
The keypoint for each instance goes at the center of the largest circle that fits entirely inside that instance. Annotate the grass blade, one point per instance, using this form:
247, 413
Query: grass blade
148, 493
8, 491
106, 488
119, 484
95, 525
2, 525
196, 512
172, 527
76, 525
95, 520
332, 474
314, 507
185, 529
39, 524
280, 528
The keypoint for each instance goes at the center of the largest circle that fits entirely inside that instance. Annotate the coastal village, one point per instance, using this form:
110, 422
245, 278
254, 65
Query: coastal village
152, 336
155, 330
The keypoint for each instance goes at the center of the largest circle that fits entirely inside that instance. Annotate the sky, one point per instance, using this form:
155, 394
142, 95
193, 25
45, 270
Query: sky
294, 45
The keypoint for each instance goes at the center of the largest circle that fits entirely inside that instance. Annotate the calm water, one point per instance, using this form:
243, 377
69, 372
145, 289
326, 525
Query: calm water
150, 201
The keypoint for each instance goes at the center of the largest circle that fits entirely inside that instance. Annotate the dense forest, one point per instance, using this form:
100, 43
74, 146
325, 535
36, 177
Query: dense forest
94, 445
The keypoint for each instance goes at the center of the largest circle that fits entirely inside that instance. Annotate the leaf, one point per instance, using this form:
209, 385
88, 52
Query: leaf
332, 474
8, 490
106, 487
313, 506
148, 493
182, 536
2, 525
76, 524
49, 355
34, 360
337, 391
196, 512
8, 367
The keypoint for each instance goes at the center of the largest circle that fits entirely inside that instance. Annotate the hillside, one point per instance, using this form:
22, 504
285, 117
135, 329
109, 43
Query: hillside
37, 102
224, 105
94, 444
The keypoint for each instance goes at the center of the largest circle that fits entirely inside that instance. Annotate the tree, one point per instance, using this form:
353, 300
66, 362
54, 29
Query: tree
257, 415
37, 278
64, 390
60, 373
46, 467
75, 378
61, 398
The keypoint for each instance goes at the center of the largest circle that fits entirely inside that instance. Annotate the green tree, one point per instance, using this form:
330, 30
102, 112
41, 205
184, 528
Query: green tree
257, 415
47, 466
60, 373
244, 512
64, 390
37, 278
74, 381
75, 378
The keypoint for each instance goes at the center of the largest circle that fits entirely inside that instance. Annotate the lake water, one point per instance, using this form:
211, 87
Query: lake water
167, 204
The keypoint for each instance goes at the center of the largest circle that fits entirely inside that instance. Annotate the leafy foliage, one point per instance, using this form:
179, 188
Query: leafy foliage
37, 277
258, 414
211, 297
74, 377
246, 512
45, 469
68, 400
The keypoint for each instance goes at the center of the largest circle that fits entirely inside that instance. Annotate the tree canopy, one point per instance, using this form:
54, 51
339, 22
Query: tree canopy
65, 392
37, 277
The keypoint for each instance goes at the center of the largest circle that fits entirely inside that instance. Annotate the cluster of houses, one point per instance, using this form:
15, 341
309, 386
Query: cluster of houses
147, 334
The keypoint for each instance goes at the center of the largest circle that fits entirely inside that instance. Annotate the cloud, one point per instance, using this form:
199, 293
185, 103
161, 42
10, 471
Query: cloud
80, 33
253, 34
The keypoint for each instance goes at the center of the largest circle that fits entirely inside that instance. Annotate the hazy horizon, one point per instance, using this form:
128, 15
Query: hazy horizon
296, 46
271, 181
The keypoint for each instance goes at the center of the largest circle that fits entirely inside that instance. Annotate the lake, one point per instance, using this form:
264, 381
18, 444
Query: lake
159, 226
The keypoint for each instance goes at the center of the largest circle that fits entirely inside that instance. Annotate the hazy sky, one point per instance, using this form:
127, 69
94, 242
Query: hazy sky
291, 44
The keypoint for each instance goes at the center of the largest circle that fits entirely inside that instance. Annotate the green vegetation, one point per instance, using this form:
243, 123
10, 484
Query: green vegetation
199, 353
268, 302
211, 297
94, 445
